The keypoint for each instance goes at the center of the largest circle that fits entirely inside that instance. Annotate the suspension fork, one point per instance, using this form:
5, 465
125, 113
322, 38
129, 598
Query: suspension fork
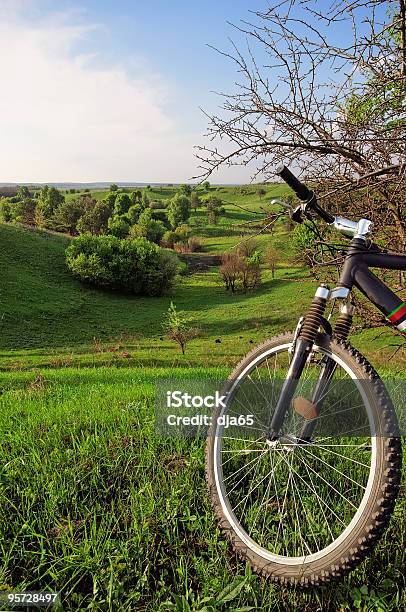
302, 350
342, 330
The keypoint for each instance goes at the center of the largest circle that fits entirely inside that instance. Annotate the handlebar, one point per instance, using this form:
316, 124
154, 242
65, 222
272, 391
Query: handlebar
304, 194
300, 189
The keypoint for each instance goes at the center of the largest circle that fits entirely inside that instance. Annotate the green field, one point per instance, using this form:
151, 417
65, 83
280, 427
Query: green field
95, 503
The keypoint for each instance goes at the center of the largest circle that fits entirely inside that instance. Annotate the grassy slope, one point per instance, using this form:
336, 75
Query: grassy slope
100, 503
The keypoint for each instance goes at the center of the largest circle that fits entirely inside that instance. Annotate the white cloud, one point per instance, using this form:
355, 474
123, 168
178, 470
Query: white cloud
70, 117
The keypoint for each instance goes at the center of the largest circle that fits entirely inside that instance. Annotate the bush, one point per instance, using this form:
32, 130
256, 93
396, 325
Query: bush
95, 219
272, 259
194, 244
132, 266
195, 200
134, 213
68, 214
238, 271
247, 248
160, 215
118, 226
178, 328
230, 270
215, 209
136, 196
110, 200
251, 272
169, 239
178, 210
191, 245
23, 211
5, 211
148, 228
185, 190
49, 200
177, 238
122, 204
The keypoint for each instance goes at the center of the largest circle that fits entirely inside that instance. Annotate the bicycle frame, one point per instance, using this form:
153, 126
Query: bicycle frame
355, 272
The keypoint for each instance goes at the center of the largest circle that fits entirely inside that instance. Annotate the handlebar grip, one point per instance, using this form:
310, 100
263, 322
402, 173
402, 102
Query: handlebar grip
303, 193
323, 214
300, 189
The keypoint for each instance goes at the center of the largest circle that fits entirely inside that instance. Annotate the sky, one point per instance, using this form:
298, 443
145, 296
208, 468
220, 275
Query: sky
100, 90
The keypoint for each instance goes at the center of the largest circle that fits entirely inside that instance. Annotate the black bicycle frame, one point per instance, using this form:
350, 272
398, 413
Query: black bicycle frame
355, 272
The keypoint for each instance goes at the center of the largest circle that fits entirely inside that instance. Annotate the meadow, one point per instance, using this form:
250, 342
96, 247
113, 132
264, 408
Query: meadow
94, 502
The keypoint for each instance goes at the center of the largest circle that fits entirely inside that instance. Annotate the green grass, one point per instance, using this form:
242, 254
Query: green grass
97, 505
94, 502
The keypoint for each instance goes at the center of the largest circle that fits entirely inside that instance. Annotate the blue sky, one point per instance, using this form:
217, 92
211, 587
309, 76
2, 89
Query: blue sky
103, 90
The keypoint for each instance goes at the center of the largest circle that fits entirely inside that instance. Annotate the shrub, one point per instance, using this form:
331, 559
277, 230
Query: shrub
5, 211
122, 204
190, 245
195, 200
178, 210
95, 219
247, 248
230, 270
251, 272
148, 228
271, 259
48, 201
160, 215
134, 213
132, 266
238, 271
178, 329
68, 214
23, 192
136, 196
185, 190
23, 211
169, 239
110, 200
118, 226
194, 244
145, 199
179, 236
214, 209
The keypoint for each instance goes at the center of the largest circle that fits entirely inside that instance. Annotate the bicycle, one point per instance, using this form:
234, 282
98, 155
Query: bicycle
305, 487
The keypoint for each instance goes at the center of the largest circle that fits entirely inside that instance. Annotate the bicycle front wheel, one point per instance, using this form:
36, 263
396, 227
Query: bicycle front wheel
304, 512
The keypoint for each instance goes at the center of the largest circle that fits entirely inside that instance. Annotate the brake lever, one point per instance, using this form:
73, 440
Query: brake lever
297, 214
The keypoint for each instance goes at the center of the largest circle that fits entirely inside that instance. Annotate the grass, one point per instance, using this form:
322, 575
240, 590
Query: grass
97, 505
95, 502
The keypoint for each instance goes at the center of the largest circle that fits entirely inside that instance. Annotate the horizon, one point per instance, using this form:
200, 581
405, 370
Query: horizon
106, 184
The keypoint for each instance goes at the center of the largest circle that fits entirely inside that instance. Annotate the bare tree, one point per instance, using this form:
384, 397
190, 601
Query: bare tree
335, 113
